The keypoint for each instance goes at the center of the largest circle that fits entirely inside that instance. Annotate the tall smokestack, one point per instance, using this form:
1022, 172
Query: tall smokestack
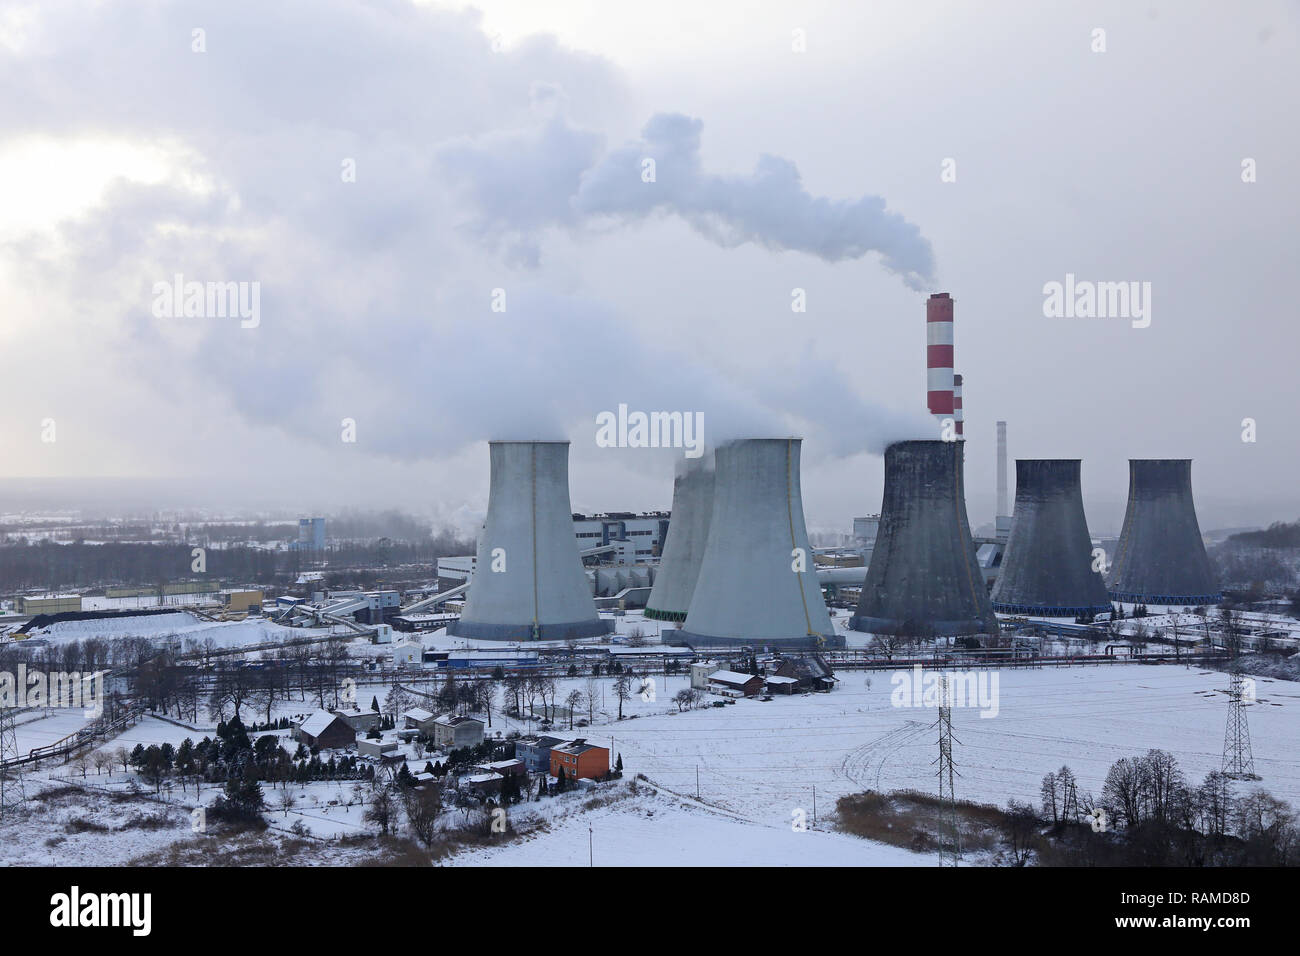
1002, 517
688, 534
1047, 569
958, 416
757, 584
938, 355
924, 580
1161, 557
528, 580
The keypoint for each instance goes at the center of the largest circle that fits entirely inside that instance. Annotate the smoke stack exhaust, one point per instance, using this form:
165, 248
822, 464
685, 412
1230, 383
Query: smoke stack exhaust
688, 535
938, 355
1047, 570
924, 580
757, 584
528, 580
1161, 556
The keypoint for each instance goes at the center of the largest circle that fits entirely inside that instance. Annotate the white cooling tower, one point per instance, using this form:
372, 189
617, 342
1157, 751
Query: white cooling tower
757, 584
688, 533
528, 580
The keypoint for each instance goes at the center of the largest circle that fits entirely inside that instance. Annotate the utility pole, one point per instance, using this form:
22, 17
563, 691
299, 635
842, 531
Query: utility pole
947, 793
697, 781
591, 848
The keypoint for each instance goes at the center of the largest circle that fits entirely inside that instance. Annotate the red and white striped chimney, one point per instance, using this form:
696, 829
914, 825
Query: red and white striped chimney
957, 416
938, 355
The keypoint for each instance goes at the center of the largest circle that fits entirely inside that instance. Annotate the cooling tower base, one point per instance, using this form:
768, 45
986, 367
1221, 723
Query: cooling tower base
665, 615
1029, 610
880, 625
1180, 600
802, 642
524, 632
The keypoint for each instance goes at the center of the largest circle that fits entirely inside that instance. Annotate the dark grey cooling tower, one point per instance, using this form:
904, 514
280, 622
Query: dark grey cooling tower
923, 579
1161, 558
1047, 569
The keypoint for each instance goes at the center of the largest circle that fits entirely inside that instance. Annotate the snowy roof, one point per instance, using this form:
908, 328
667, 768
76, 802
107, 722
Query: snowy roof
501, 764
783, 680
357, 712
451, 720
407, 644
482, 777
418, 714
579, 746
316, 724
731, 677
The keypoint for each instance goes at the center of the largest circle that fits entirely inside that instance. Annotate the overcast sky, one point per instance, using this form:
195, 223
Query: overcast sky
500, 146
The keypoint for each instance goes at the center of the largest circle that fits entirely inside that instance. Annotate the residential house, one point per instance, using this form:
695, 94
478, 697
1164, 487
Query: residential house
810, 670
735, 684
700, 672
580, 760
359, 720
504, 767
535, 752
417, 718
375, 748
782, 685
451, 731
323, 729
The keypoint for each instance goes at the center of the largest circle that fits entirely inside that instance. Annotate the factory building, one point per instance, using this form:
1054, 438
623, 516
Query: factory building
529, 583
1048, 567
311, 534
638, 537
684, 550
923, 580
1161, 556
757, 583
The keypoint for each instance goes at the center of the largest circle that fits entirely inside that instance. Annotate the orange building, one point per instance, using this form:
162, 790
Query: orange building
580, 760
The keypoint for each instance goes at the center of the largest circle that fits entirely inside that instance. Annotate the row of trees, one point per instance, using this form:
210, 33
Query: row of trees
1163, 819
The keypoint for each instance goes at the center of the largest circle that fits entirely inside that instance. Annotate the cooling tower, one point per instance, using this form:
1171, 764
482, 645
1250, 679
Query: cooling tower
748, 590
1047, 569
923, 579
528, 580
688, 533
1161, 558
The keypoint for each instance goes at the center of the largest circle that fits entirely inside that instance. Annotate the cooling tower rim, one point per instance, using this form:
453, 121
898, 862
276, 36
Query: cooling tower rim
926, 442
529, 441
1160, 461
1038, 610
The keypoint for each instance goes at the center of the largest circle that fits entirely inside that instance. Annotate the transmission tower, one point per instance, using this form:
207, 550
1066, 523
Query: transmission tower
1238, 761
947, 793
12, 792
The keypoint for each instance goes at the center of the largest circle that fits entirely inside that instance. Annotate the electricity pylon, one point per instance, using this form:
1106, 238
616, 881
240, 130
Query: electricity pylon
947, 793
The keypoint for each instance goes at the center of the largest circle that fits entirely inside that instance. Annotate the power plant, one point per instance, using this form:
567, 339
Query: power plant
1161, 557
1047, 570
923, 579
688, 535
757, 584
529, 583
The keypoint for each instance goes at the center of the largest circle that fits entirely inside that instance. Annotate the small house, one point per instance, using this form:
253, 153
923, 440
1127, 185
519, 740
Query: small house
580, 760
451, 731
359, 720
375, 748
810, 670
735, 684
700, 672
406, 653
535, 752
417, 718
324, 730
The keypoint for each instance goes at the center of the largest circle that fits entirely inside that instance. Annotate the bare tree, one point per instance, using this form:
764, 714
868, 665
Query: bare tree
573, 702
623, 691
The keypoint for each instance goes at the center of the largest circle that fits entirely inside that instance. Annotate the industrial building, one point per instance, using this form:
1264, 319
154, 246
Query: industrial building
50, 604
923, 580
1048, 567
311, 534
1161, 556
757, 583
687, 537
528, 583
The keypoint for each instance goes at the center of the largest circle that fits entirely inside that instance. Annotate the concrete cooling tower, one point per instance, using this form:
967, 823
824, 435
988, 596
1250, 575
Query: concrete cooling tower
1161, 558
923, 579
749, 591
1047, 569
528, 580
688, 533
